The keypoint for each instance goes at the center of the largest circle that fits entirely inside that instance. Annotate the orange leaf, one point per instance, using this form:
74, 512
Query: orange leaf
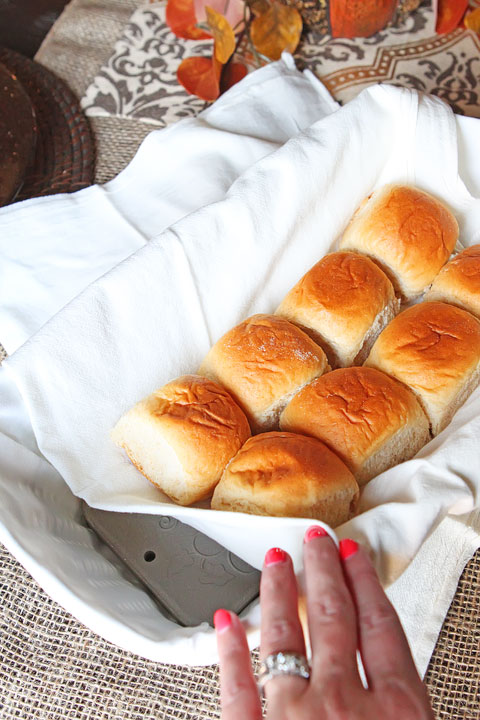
472, 20
449, 15
232, 10
181, 19
222, 33
276, 30
232, 73
200, 76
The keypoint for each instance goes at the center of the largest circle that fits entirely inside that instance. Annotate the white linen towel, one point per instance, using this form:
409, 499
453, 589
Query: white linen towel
52, 247
155, 315
104, 350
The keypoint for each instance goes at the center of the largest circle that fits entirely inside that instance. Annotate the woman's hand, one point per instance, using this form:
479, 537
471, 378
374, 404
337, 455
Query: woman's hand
347, 609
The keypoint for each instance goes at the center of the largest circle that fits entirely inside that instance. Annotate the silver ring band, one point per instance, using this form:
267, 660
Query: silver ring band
282, 663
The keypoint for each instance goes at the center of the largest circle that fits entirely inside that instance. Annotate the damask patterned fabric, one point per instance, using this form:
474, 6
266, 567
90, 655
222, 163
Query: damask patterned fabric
139, 80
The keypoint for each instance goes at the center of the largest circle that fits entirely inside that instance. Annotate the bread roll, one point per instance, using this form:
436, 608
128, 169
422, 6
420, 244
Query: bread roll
434, 348
343, 303
367, 418
182, 436
407, 232
262, 362
287, 475
458, 282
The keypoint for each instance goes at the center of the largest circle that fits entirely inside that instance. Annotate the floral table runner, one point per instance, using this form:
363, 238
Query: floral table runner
139, 80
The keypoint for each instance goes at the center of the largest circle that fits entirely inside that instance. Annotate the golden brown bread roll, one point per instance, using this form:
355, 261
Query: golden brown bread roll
287, 475
458, 282
182, 436
434, 348
367, 418
409, 233
262, 362
343, 303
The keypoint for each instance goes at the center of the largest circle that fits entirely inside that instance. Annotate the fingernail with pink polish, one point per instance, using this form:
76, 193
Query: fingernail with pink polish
314, 531
222, 620
347, 547
275, 556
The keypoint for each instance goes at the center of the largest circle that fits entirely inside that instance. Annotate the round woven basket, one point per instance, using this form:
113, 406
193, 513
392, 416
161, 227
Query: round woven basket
64, 153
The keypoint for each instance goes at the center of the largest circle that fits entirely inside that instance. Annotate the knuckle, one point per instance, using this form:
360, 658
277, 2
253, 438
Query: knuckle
236, 689
408, 701
336, 703
335, 664
273, 583
330, 607
280, 631
377, 617
287, 686
366, 575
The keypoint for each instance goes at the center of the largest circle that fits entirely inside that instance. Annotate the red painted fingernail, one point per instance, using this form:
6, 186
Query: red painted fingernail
347, 547
313, 532
222, 620
275, 556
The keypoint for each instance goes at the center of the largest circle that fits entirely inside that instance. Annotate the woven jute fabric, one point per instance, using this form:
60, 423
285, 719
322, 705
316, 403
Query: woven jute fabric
51, 666
78, 45
81, 41
117, 142
76, 48
453, 675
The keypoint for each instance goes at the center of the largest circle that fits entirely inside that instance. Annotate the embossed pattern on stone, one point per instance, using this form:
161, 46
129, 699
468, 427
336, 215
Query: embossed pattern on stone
190, 574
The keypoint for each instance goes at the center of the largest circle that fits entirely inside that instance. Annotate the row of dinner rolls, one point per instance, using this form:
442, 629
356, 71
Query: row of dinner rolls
340, 428
190, 439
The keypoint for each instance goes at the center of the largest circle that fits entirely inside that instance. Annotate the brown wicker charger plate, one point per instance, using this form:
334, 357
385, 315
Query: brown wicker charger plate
64, 154
17, 134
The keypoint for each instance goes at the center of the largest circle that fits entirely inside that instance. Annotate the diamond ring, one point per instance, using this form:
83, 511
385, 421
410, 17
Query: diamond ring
282, 663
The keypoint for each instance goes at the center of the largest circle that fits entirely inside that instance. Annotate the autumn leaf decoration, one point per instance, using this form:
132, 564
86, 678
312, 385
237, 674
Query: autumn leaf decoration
457, 13
276, 29
270, 28
472, 20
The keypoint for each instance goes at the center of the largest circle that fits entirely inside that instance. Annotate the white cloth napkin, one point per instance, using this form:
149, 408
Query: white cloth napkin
155, 315
52, 247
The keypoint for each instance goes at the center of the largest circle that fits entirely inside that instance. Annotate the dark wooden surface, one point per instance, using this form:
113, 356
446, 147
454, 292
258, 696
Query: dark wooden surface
24, 23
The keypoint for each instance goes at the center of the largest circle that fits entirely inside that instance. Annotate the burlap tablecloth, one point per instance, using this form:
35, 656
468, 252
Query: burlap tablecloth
51, 666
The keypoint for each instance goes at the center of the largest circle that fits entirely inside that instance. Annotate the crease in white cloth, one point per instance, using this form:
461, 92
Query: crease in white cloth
175, 171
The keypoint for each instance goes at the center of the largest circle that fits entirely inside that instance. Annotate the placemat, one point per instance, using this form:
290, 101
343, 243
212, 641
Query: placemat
51, 666
64, 151
54, 668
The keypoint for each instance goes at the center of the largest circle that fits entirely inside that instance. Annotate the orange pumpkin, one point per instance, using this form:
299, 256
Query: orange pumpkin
360, 18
